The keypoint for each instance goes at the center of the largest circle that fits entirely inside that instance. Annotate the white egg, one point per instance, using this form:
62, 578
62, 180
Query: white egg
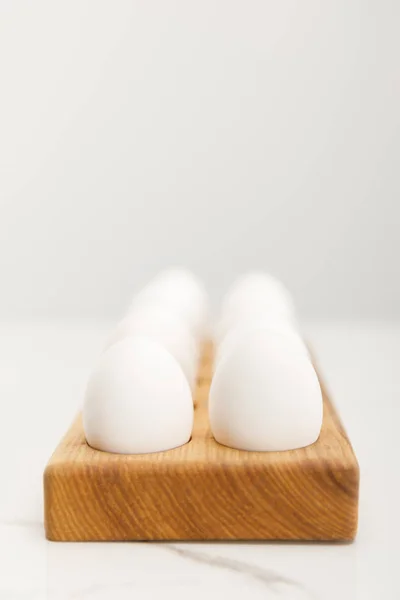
137, 400
255, 294
265, 395
180, 291
254, 324
163, 326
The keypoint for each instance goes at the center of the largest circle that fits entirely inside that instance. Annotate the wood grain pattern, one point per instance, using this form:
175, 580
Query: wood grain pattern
204, 491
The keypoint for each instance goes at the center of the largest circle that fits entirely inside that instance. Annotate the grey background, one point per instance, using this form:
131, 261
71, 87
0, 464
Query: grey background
221, 135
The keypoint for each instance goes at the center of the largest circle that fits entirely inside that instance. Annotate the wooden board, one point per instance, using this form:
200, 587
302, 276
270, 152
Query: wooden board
204, 491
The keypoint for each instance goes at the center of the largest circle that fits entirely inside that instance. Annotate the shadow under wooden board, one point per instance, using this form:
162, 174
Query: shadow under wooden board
202, 490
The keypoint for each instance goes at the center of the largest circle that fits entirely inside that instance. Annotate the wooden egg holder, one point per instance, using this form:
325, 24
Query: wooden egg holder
204, 491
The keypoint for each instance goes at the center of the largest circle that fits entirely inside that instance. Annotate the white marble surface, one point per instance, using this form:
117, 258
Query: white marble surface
43, 369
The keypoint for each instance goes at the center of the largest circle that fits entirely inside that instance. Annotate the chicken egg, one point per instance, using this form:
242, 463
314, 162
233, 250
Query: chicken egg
180, 291
137, 400
265, 395
255, 294
248, 326
164, 326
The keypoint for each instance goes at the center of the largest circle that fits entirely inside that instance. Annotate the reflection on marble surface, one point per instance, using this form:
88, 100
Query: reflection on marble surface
35, 359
